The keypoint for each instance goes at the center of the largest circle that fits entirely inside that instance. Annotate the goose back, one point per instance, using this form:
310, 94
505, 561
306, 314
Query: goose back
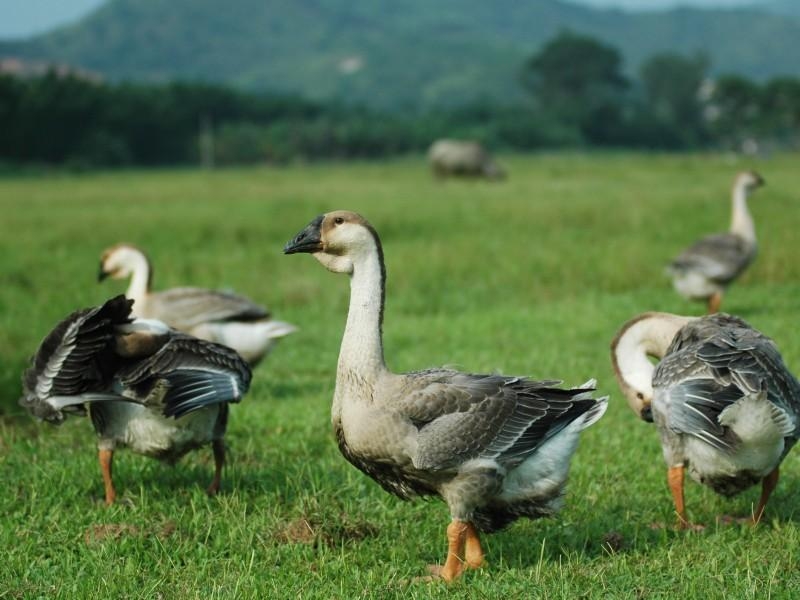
724, 384
720, 257
185, 308
462, 416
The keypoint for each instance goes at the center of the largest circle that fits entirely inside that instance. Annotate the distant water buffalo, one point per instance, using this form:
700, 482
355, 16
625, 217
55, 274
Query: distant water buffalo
462, 158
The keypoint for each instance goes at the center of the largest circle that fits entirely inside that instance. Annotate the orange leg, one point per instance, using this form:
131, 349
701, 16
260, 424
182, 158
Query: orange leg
456, 538
675, 481
463, 551
768, 484
219, 460
106, 458
473, 552
714, 302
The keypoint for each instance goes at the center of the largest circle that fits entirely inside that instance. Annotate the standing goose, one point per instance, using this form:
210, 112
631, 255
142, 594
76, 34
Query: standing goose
706, 268
157, 391
494, 448
724, 404
216, 316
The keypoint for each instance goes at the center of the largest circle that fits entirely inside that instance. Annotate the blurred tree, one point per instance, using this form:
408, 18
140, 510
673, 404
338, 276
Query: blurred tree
579, 80
671, 86
10, 100
734, 111
780, 105
55, 114
68, 119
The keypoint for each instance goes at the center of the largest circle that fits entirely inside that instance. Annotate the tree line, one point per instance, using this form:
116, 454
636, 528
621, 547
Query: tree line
580, 96
672, 104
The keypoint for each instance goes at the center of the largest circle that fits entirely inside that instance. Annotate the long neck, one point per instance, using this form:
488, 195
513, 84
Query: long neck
139, 286
362, 344
646, 336
741, 220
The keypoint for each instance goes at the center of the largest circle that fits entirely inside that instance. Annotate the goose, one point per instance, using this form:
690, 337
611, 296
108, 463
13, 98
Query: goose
706, 268
725, 405
157, 391
493, 447
216, 316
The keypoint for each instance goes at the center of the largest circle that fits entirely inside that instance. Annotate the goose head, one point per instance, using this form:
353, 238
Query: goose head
339, 240
640, 339
120, 261
749, 181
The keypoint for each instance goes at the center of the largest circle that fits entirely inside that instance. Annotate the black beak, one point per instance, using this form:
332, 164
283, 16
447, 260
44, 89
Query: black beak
101, 274
647, 414
308, 240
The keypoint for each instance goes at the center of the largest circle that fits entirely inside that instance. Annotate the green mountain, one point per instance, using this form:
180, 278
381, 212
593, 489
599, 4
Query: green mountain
389, 52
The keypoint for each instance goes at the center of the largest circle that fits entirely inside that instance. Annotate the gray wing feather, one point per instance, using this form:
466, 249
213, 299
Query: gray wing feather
73, 360
185, 374
464, 416
720, 257
187, 307
78, 363
191, 389
695, 406
711, 364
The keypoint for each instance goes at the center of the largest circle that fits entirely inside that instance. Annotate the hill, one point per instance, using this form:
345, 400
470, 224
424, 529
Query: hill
784, 7
385, 53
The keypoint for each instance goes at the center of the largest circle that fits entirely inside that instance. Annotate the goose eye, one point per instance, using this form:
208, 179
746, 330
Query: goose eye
338, 220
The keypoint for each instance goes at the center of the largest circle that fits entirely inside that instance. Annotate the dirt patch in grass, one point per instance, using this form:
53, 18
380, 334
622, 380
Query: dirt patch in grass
298, 531
328, 532
102, 533
166, 529
97, 534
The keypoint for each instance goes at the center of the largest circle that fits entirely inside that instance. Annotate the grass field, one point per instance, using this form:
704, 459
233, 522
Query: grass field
530, 276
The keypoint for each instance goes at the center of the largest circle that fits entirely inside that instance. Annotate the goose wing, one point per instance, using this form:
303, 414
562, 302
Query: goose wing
720, 257
186, 374
186, 307
74, 359
463, 416
713, 363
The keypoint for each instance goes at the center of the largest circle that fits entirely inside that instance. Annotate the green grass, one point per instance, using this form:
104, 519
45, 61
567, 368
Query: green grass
530, 276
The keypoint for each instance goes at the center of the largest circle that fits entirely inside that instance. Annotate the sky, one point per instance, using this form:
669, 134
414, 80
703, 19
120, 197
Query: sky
20, 18
656, 4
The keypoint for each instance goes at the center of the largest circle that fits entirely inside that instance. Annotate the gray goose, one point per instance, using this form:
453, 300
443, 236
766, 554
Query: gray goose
725, 405
159, 392
494, 448
706, 268
216, 316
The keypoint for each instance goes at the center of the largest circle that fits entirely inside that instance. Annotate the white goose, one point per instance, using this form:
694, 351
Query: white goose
725, 405
706, 268
212, 315
494, 448
157, 391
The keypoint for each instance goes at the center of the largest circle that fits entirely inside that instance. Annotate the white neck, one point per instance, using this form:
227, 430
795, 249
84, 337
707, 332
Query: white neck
362, 345
648, 336
741, 221
140, 281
